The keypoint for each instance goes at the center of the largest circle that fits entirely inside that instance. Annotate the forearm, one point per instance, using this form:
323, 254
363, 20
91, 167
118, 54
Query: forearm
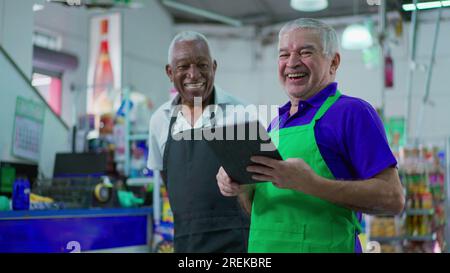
379, 195
246, 199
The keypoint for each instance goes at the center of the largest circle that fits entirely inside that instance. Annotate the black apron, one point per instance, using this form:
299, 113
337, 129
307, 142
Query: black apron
204, 219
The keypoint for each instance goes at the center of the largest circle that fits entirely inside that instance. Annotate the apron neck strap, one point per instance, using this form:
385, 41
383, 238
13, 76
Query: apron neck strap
326, 105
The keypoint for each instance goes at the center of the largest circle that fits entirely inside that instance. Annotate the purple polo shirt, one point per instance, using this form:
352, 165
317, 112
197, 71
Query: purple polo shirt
350, 135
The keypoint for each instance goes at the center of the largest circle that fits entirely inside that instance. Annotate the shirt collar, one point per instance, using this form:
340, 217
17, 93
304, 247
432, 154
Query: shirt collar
318, 99
315, 101
220, 98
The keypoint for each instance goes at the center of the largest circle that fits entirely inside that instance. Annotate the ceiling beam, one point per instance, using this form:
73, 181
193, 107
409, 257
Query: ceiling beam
203, 13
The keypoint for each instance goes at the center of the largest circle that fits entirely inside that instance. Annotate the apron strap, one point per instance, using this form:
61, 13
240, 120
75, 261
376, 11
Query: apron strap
173, 118
322, 110
326, 105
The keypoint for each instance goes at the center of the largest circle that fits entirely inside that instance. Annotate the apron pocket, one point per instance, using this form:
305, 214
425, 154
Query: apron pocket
316, 248
344, 236
276, 238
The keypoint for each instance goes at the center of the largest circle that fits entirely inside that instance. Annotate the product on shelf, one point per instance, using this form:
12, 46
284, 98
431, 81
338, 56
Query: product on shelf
383, 227
419, 225
420, 228
384, 230
422, 174
418, 195
164, 230
388, 248
138, 162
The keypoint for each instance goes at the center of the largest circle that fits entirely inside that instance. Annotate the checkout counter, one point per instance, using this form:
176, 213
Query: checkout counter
76, 230
85, 215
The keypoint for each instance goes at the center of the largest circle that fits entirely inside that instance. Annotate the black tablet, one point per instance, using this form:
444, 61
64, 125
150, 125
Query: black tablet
235, 144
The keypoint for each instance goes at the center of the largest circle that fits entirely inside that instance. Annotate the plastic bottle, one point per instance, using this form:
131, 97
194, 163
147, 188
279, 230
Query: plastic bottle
416, 225
409, 225
427, 200
424, 225
21, 194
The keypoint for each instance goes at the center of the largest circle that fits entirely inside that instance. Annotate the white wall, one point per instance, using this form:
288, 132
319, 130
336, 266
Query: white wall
147, 35
16, 17
249, 70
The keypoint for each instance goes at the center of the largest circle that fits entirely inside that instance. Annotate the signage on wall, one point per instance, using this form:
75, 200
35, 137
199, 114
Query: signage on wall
395, 131
28, 128
104, 71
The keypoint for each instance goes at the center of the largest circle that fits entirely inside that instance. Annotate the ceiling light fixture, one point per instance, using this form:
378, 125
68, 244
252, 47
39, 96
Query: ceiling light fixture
37, 7
426, 5
309, 5
356, 37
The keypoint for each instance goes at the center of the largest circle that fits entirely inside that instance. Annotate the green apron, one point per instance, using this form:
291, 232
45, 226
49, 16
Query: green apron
285, 220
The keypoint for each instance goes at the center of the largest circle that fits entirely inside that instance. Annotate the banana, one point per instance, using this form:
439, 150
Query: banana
38, 198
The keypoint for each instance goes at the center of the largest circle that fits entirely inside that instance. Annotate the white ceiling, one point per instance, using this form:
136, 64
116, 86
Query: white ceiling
268, 12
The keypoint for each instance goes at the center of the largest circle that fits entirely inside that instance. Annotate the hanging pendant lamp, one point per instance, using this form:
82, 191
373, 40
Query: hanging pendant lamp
309, 5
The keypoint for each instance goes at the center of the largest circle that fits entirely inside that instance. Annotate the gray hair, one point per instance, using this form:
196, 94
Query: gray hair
327, 34
186, 36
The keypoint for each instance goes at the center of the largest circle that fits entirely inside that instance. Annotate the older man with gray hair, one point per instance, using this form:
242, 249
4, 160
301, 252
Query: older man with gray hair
337, 162
205, 221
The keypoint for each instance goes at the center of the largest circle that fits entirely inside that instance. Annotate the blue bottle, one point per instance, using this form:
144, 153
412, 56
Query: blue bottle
21, 194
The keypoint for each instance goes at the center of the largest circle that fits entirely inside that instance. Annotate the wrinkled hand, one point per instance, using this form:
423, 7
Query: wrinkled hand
227, 186
292, 173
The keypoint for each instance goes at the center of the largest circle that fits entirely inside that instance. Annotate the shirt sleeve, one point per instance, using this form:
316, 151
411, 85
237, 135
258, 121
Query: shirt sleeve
365, 142
155, 156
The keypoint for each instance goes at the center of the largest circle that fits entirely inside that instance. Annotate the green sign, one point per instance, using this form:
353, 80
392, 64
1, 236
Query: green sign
395, 131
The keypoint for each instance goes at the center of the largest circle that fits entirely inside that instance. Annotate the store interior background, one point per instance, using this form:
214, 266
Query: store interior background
246, 56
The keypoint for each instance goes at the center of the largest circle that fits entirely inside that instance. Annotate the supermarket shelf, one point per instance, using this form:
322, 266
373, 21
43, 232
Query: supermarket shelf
139, 181
419, 211
387, 239
139, 137
424, 238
